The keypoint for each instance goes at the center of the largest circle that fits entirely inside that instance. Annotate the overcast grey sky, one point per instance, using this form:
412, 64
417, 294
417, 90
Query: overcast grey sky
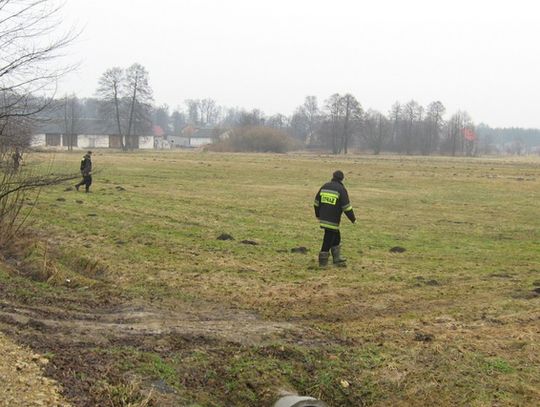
479, 56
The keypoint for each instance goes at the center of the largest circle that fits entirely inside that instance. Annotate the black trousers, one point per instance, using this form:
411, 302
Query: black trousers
86, 181
331, 238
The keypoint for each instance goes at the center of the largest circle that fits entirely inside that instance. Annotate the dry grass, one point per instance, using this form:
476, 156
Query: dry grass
453, 320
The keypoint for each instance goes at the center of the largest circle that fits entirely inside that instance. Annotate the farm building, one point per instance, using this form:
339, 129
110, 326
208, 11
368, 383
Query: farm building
193, 137
88, 133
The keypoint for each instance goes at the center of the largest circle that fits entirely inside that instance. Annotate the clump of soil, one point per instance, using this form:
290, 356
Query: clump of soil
423, 337
397, 249
300, 249
225, 236
250, 242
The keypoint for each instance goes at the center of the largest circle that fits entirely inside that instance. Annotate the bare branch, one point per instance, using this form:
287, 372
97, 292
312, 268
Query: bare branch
8, 188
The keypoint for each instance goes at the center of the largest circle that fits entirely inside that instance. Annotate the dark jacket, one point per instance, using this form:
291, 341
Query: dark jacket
330, 202
86, 165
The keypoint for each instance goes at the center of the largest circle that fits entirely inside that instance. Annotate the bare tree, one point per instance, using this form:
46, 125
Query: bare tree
208, 111
306, 120
201, 105
110, 87
30, 49
193, 110
343, 113
434, 123
140, 96
127, 95
455, 141
352, 115
72, 115
178, 120
278, 121
335, 114
299, 126
412, 113
162, 117
376, 130
310, 109
395, 115
254, 117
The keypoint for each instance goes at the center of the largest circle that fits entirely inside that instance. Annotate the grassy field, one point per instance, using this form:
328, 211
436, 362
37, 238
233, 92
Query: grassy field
452, 320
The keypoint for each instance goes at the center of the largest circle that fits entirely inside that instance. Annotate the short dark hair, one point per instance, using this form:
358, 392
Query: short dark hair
338, 175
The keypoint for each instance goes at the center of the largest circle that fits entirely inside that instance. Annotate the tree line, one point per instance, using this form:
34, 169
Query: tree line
124, 99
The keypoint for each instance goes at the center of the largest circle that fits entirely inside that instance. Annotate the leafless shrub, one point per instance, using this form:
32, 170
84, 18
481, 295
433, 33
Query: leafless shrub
15, 189
30, 48
257, 139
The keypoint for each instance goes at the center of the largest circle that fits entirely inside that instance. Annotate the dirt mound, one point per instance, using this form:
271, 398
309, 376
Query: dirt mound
22, 378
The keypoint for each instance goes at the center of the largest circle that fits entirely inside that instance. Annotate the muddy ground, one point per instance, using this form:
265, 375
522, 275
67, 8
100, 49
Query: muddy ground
86, 338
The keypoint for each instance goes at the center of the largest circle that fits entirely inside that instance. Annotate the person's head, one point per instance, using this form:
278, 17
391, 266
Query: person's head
89, 153
338, 175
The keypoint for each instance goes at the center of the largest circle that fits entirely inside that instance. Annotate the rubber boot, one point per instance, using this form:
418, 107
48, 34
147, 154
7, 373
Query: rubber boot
323, 259
336, 257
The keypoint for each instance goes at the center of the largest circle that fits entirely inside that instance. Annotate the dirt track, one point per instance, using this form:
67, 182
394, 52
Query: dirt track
79, 334
137, 320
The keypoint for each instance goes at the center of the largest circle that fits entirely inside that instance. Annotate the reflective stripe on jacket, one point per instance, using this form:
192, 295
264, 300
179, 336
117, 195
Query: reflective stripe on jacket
330, 202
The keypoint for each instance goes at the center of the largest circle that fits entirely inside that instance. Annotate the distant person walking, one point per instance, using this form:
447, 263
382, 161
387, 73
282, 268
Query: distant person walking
86, 172
17, 158
330, 202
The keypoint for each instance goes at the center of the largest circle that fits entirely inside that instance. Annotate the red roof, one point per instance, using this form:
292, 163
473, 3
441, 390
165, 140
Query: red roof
158, 131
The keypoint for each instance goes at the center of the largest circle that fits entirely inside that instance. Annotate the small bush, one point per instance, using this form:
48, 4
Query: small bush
254, 139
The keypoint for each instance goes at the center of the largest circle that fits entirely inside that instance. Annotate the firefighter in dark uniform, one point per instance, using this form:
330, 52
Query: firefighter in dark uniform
86, 172
330, 202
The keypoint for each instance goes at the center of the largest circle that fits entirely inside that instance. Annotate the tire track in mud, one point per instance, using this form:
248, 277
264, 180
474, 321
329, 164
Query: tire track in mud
132, 320
80, 339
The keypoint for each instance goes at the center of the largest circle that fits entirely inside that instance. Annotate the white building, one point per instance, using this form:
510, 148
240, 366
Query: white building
193, 137
91, 133
87, 141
